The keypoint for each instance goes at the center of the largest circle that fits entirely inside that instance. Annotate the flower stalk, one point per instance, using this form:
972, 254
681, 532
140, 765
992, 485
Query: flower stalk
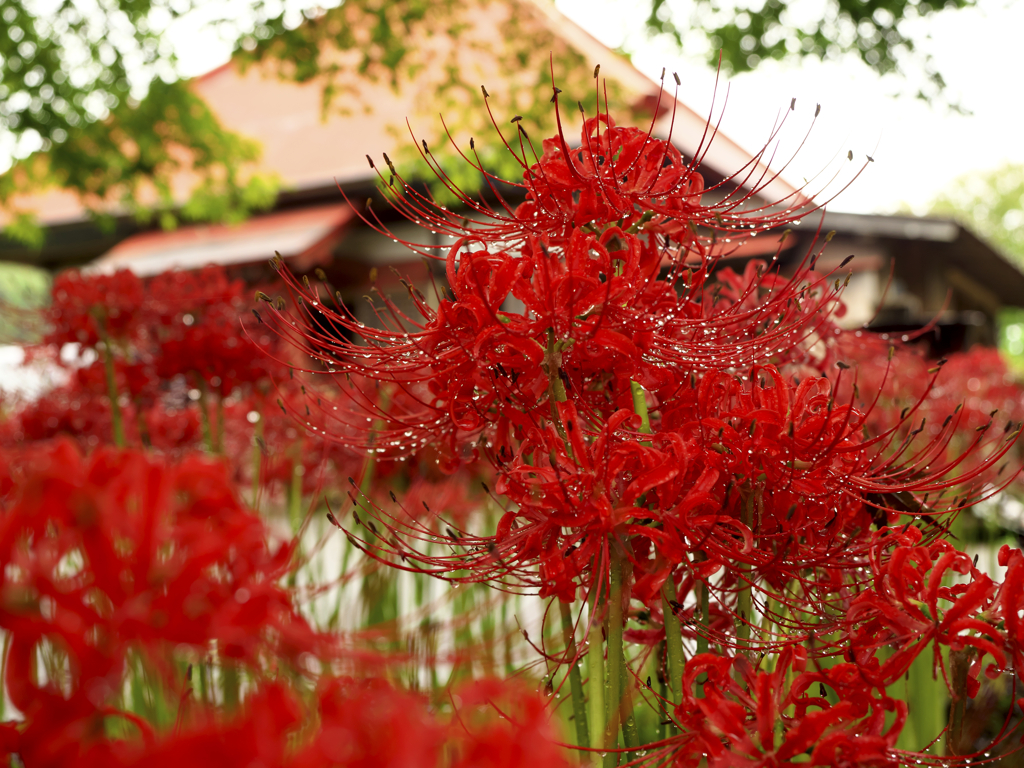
595, 670
107, 353
579, 707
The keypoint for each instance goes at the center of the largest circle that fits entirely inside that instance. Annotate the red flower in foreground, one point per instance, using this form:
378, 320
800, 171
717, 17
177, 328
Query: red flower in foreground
783, 717
117, 556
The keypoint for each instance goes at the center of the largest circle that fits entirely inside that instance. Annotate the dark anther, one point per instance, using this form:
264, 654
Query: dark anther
846, 261
817, 110
486, 94
516, 119
370, 161
821, 690
597, 69
257, 315
792, 104
393, 497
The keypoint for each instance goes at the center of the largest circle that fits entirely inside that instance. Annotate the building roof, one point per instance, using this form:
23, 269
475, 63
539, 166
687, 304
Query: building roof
943, 245
304, 235
308, 149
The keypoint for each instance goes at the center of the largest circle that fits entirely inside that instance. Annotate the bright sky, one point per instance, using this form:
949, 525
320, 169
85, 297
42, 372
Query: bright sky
917, 149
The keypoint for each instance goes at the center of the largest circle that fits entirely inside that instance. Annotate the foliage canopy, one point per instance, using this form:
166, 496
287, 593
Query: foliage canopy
92, 100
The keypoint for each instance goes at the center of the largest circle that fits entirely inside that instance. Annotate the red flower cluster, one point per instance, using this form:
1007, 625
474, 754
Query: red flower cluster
666, 430
784, 716
118, 556
686, 446
118, 562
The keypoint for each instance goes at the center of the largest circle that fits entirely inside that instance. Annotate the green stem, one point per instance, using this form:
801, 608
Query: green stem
959, 665
579, 709
204, 416
230, 683
219, 440
703, 624
662, 653
640, 407
295, 497
630, 732
614, 633
116, 420
556, 389
744, 603
673, 640
595, 668
702, 630
257, 460
203, 687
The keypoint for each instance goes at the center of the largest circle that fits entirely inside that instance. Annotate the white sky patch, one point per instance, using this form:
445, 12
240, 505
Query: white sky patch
918, 149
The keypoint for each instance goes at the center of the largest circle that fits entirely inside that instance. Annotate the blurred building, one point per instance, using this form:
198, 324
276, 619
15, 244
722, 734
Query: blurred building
908, 272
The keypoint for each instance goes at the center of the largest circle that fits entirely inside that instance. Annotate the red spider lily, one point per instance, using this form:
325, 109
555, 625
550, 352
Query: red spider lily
88, 310
754, 475
68, 411
585, 254
117, 512
593, 325
504, 724
782, 717
119, 553
351, 723
911, 607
